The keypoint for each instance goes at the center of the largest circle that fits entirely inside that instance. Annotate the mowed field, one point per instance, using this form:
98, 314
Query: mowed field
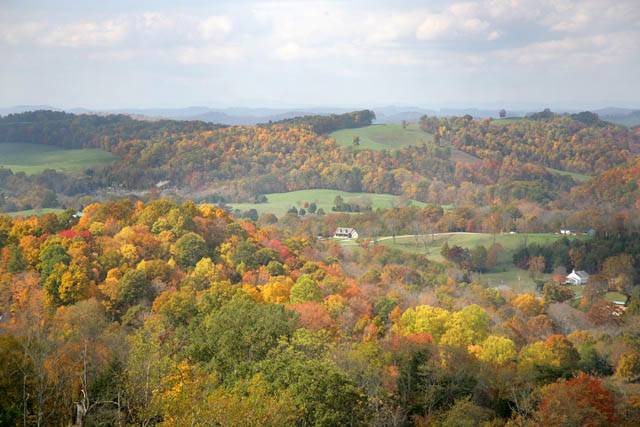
390, 137
34, 212
35, 158
578, 177
382, 137
504, 274
280, 203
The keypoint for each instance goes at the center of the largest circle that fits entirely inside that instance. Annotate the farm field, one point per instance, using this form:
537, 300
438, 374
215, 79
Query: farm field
382, 137
579, 177
33, 212
393, 136
504, 274
279, 203
35, 158
509, 242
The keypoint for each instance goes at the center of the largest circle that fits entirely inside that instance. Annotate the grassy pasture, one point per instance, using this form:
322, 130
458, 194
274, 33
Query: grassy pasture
505, 273
279, 203
392, 136
35, 158
382, 136
34, 212
578, 177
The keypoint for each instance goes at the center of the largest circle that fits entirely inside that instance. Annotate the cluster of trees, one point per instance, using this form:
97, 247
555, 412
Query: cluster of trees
339, 205
68, 130
49, 189
323, 124
174, 314
614, 259
477, 259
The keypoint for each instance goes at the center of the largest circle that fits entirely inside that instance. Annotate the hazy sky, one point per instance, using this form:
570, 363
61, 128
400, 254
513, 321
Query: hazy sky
116, 53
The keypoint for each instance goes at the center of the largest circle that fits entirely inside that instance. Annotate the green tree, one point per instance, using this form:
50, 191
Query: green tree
465, 413
50, 256
479, 259
325, 395
133, 286
189, 249
305, 289
240, 333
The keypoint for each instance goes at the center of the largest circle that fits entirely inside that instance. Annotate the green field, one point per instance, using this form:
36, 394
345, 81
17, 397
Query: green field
279, 203
393, 136
616, 297
578, 177
382, 137
35, 158
34, 212
505, 273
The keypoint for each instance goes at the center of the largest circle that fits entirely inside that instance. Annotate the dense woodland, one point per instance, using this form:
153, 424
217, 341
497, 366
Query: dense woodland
179, 314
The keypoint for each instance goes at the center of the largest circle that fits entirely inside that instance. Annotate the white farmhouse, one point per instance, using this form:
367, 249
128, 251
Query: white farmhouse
345, 233
577, 278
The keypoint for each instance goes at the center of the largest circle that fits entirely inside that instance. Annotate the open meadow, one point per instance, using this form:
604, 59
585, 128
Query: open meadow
280, 203
35, 158
382, 137
34, 212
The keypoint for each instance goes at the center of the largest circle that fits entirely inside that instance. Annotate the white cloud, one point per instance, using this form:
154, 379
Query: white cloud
13, 34
587, 16
323, 30
289, 51
214, 27
86, 34
460, 21
210, 55
434, 27
575, 52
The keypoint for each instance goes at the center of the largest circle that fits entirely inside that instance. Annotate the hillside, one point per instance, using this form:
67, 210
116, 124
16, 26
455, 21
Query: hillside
239, 163
578, 143
615, 188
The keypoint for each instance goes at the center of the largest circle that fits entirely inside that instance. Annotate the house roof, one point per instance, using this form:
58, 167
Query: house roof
581, 274
344, 230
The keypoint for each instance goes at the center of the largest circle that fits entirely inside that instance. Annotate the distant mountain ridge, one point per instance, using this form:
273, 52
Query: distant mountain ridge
252, 116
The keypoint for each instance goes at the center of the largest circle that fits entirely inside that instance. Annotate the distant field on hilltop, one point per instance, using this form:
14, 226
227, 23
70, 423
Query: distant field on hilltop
279, 203
35, 158
392, 136
34, 212
382, 137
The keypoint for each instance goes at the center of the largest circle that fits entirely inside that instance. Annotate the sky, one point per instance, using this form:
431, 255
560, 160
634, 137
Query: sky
480, 53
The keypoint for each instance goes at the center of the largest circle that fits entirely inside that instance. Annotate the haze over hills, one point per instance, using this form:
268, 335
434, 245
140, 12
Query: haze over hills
251, 116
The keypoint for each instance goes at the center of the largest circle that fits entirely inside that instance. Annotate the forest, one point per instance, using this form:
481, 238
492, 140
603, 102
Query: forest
162, 313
